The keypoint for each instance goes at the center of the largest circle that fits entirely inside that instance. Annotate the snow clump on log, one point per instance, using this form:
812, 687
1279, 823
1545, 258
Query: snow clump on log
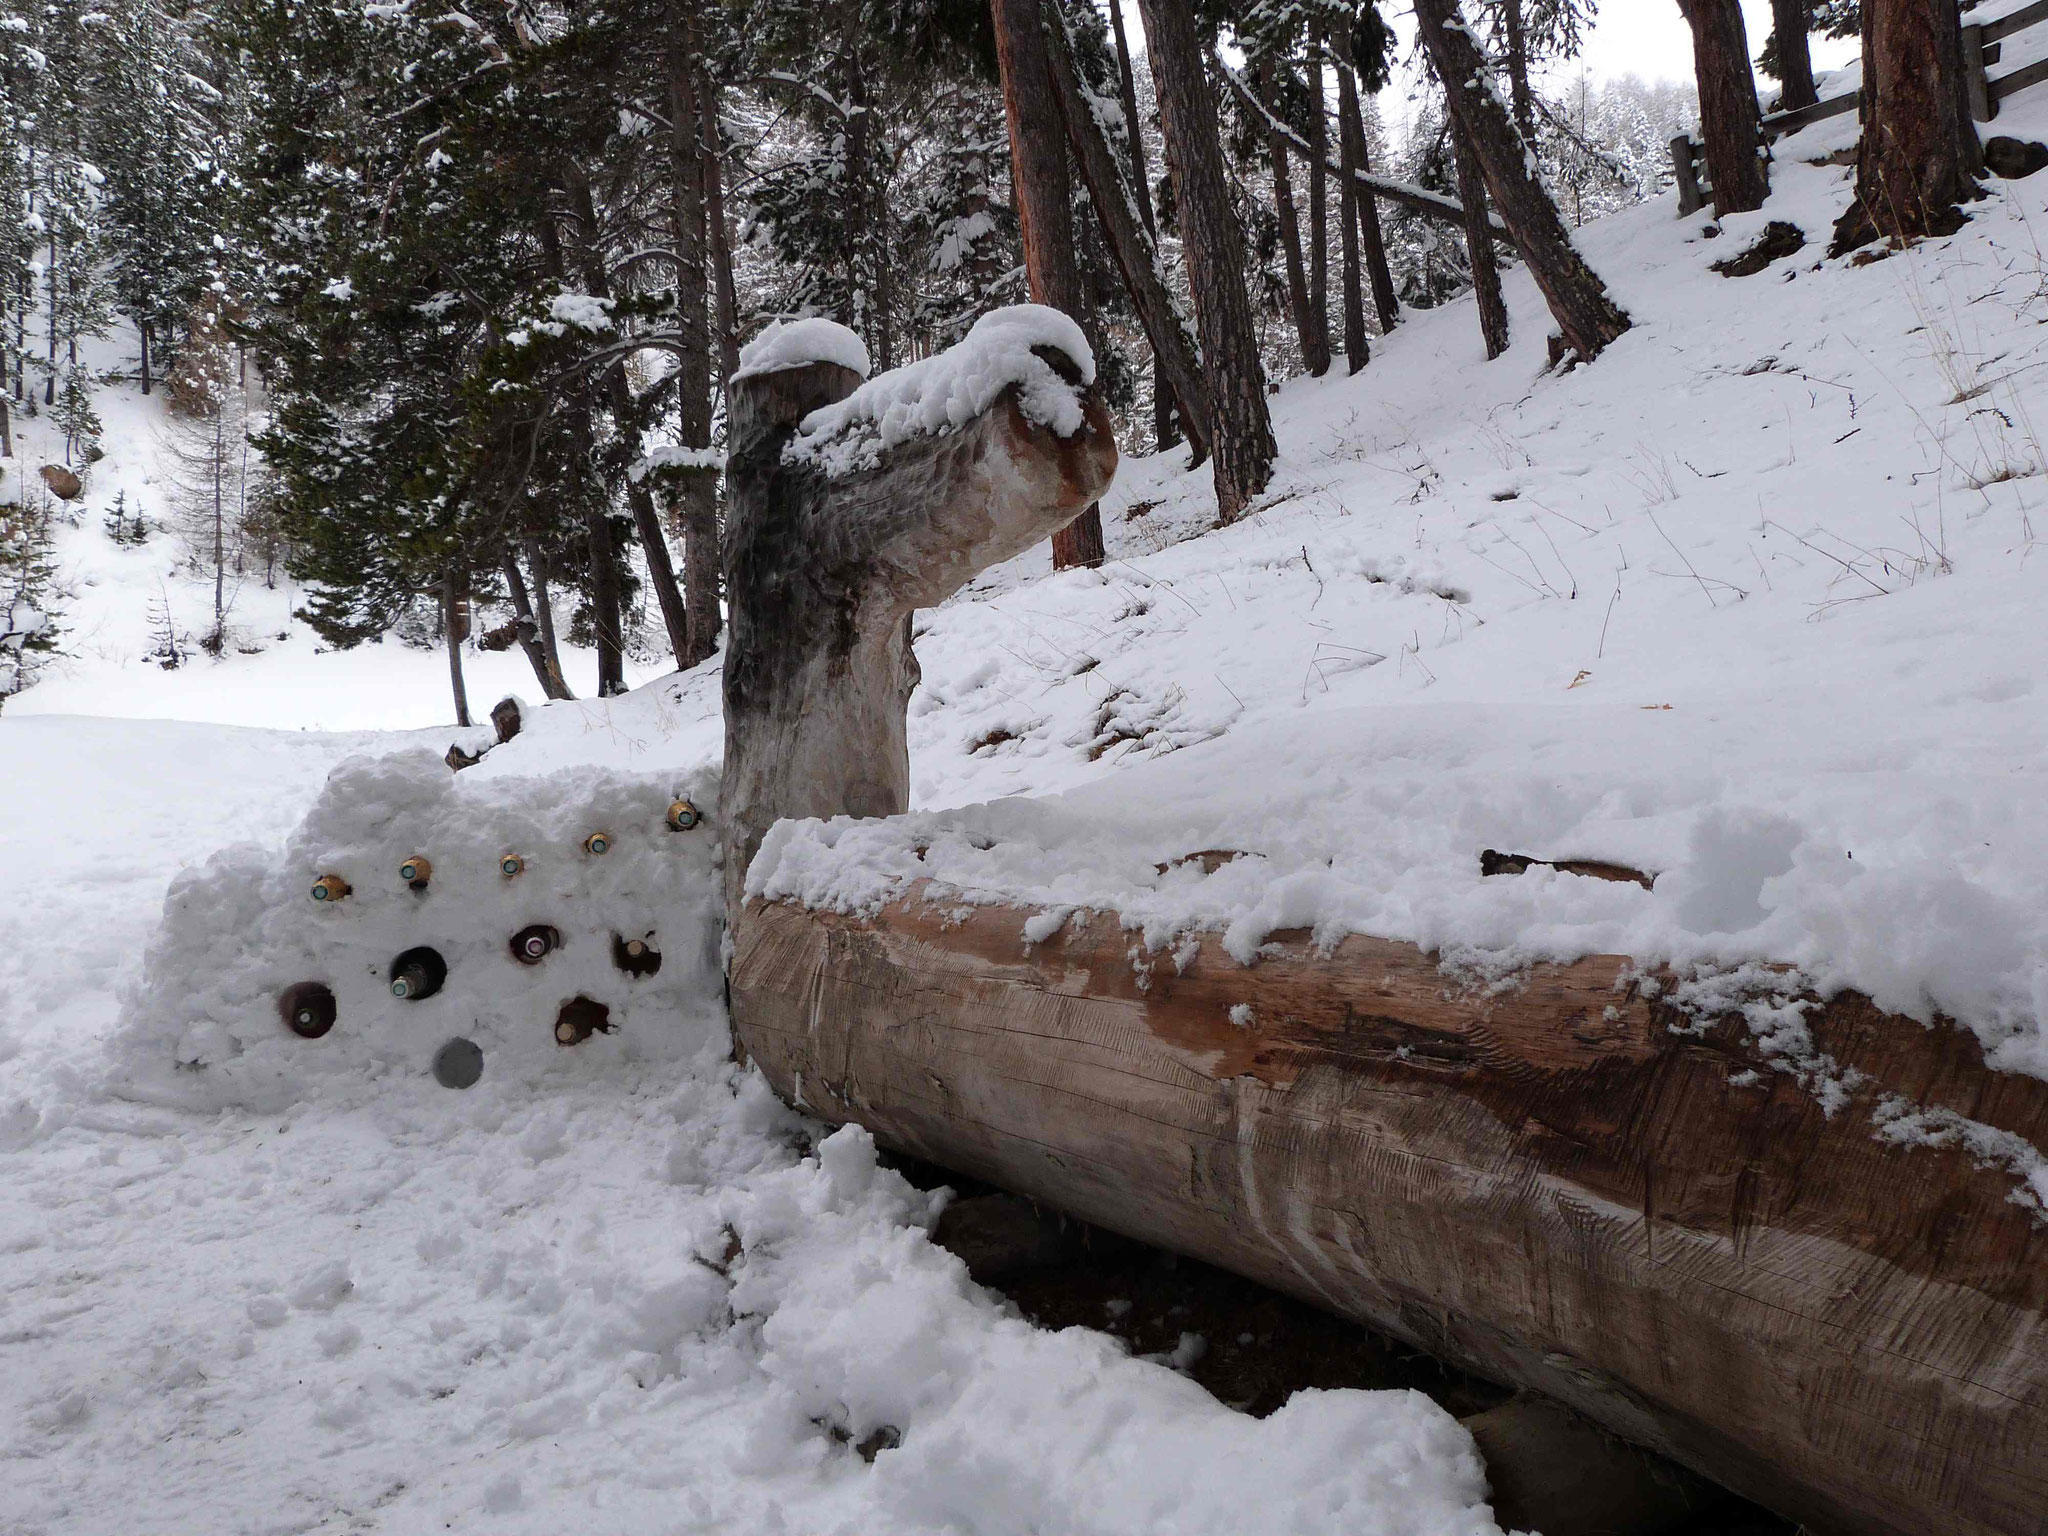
944, 393
799, 343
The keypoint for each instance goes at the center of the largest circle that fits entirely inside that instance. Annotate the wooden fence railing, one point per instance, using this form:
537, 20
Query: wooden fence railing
1981, 49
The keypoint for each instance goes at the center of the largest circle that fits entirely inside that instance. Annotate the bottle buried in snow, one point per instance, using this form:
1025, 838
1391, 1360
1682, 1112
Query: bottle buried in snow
459, 1063
418, 974
636, 957
580, 1018
534, 943
307, 1008
416, 872
682, 815
331, 888
598, 844
512, 866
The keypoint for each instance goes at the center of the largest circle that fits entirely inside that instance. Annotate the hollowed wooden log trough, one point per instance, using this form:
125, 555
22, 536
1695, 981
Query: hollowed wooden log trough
1561, 1184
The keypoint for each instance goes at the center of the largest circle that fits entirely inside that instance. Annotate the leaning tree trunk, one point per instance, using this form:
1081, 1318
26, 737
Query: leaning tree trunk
544, 611
1789, 23
1915, 162
823, 573
455, 628
1038, 166
1493, 309
1728, 111
1164, 432
528, 631
1515, 26
1242, 442
1578, 299
714, 216
1373, 242
1124, 213
1290, 228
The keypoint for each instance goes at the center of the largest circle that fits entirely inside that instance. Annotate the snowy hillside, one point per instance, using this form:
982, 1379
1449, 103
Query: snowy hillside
1749, 604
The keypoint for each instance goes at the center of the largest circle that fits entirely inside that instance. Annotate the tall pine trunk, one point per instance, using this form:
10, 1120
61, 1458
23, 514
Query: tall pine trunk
1318, 207
1038, 169
726, 304
142, 334
1357, 351
1789, 22
1374, 242
1241, 443
1728, 110
1493, 309
1164, 431
1918, 155
1290, 229
696, 507
455, 628
625, 410
1578, 300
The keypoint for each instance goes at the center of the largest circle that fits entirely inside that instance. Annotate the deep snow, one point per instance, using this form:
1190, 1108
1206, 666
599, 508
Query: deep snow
1749, 604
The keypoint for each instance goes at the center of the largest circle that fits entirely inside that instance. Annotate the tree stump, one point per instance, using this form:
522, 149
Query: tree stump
824, 568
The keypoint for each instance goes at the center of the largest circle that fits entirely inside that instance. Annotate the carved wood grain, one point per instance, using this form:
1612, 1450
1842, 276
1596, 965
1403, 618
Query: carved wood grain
1546, 1182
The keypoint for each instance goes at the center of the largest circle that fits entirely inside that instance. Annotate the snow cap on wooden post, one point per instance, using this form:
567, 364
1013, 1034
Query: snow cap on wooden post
854, 504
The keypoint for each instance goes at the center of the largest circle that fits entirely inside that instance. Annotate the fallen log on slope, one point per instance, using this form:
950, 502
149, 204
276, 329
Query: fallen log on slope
1562, 1183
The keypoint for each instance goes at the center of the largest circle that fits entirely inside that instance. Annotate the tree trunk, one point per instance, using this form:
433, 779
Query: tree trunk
1728, 111
661, 573
695, 512
1290, 230
1357, 351
1789, 23
1242, 439
1493, 309
1553, 1184
528, 631
727, 314
142, 335
6, 426
1038, 169
1377, 271
1131, 244
1164, 431
544, 611
1919, 149
824, 573
1516, 27
1318, 208
455, 631
1578, 299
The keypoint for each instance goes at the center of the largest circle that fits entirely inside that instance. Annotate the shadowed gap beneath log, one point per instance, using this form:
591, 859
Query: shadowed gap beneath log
1549, 1470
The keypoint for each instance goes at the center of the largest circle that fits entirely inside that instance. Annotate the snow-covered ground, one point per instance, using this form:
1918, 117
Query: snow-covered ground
1750, 603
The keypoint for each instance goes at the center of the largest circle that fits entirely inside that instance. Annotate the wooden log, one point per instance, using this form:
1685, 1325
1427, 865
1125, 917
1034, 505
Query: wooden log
824, 570
1550, 1182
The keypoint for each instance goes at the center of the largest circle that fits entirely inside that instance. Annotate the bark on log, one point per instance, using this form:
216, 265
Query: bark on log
823, 573
1578, 299
1550, 1184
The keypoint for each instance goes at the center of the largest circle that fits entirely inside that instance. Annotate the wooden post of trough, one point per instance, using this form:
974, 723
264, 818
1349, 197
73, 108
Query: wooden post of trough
823, 571
1982, 105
